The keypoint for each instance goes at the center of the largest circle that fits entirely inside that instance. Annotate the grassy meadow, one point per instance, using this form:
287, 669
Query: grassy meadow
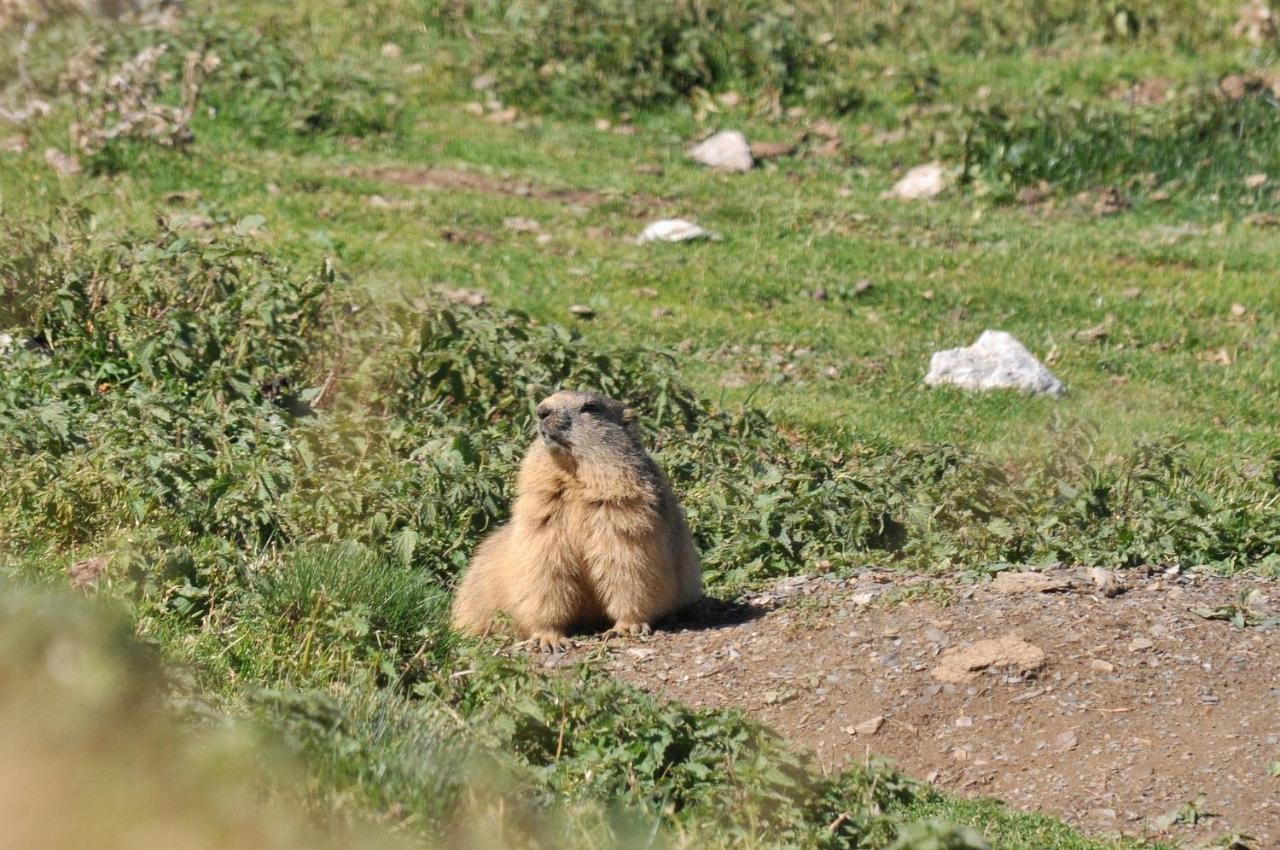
250, 440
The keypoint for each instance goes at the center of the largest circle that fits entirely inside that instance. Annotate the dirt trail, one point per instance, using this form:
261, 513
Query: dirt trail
1137, 707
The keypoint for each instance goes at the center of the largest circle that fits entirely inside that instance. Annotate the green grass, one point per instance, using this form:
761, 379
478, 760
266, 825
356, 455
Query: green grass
294, 569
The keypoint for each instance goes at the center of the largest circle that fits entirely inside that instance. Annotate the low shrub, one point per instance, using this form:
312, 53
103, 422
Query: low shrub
1203, 143
586, 55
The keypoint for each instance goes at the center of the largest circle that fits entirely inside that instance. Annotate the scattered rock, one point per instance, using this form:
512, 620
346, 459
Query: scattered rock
996, 361
521, 225
1236, 87
727, 150
504, 116
1140, 644
963, 664
1105, 582
674, 230
85, 573
1133, 293
825, 130
64, 164
582, 311
772, 150
193, 221
870, 726
1110, 202
483, 82
660, 312
1013, 583
15, 144
1065, 741
1239, 310
1258, 23
646, 292
1097, 333
920, 183
1099, 666
391, 50
466, 297
1255, 181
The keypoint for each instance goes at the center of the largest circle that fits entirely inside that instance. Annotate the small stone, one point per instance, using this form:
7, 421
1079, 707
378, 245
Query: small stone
64, 164
862, 287
964, 663
870, 726
1105, 582
85, 573
1066, 741
15, 144
996, 361
646, 292
772, 150
1133, 293
820, 294
483, 82
660, 312
505, 116
474, 108
1238, 310
727, 150
391, 50
582, 311
466, 297
1255, 181
1012, 583
521, 225
964, 722
1099, 666
920, 183
674, 230
1139, 644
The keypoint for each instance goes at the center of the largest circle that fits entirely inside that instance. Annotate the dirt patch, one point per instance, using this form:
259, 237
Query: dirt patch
1136, 707
463, 180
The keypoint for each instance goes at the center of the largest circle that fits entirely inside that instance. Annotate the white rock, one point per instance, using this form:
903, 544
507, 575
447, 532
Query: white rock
996, 361
6, 343
920, 183
674, 230
727, 149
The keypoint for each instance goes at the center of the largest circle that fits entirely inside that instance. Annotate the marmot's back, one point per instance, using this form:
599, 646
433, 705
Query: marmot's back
596, 533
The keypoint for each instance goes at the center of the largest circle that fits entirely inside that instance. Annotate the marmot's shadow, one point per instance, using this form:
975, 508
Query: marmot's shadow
709, 613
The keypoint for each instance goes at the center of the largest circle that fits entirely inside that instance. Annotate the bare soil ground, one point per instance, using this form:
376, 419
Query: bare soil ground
1133, 706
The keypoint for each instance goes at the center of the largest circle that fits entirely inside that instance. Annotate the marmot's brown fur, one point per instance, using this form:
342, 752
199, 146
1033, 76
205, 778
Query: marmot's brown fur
596, 534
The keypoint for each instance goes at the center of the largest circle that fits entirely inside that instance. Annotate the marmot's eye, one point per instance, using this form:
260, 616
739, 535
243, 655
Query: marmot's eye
543, 412
592, 407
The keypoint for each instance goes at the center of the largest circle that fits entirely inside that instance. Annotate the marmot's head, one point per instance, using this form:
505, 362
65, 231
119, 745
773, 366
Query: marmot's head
587, 427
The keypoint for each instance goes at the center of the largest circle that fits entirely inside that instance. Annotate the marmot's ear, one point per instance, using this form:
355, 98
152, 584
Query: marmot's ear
630, 418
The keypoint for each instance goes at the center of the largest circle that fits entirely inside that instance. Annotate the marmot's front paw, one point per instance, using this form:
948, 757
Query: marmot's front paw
625, 628
550, 641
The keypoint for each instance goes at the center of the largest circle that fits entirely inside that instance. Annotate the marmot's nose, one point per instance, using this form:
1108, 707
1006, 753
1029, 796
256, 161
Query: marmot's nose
556, 423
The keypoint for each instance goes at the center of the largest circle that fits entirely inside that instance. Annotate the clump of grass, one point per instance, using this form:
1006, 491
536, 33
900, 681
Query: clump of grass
140, 84
1204, 145
588, 55
333, 611
978, 27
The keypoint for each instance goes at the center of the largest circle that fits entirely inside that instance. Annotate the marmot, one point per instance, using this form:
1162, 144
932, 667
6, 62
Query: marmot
596, 534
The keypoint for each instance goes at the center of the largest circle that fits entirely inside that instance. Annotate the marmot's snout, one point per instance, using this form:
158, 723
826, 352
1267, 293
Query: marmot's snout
554, 427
